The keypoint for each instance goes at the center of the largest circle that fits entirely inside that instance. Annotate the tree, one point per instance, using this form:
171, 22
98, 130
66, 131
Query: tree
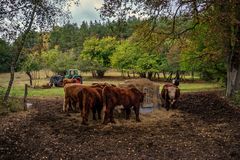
222, 16
98, 51
31, 63
66, 37
5, 59
18, 18
130, 56
200, 53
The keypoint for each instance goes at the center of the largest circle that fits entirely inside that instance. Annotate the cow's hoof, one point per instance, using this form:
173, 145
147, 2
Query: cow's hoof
84, 123
68, 114
105, 123
112, 121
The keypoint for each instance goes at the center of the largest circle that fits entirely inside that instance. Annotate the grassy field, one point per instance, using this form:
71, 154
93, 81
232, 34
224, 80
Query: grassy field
111, 77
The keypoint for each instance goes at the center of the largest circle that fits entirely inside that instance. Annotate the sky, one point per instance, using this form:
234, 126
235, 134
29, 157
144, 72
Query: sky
85, 11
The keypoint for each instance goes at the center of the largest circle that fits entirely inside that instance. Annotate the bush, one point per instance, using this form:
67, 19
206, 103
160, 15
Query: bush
236, 98
13, 104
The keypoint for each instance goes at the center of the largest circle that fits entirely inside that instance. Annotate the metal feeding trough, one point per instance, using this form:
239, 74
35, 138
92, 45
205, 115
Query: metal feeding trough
152, 99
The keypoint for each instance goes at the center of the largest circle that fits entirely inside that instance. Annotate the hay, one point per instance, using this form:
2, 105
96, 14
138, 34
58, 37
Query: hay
151, 89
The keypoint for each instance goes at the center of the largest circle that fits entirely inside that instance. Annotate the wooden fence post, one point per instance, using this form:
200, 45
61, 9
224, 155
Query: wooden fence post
25, 97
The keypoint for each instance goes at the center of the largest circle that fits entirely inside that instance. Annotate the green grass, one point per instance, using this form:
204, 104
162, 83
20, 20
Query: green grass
195, 87
56, 91
114, 78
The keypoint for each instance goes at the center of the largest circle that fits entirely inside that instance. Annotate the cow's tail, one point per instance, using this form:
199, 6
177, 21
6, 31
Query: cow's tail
104, 98
85, 105
105, 104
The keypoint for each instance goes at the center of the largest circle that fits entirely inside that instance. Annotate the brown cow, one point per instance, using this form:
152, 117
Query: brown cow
72, 96
95, 99
90, 98
67, 81
102, 85
128, 97
170, 94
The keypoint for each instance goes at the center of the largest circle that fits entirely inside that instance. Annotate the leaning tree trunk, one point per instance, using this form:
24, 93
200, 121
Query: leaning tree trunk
20, 44
30, 77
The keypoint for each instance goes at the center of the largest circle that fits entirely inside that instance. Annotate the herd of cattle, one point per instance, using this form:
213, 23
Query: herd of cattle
106, 96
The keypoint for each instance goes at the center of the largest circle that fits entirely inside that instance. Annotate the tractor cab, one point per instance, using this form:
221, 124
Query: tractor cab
73, 74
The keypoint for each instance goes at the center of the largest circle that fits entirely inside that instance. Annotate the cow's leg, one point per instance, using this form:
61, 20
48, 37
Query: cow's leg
65, 104
106, 115
136, 110
99, 110
70, 105
74, 104
173, 106
128, 112
85, 116
167, 105
164, 104
111, 116
94, 111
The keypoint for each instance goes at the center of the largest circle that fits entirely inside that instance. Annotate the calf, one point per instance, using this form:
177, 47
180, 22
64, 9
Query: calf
90, 98
71, 95
170, 94
128, 97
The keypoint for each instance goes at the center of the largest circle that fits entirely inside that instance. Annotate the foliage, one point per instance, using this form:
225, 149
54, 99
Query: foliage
66, 37
222, 37
5, 56
131, 56
200, 53
98, 52
32, 63
58, 61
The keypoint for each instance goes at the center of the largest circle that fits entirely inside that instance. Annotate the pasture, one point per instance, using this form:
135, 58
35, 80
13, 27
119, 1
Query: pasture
204, 126
111, 77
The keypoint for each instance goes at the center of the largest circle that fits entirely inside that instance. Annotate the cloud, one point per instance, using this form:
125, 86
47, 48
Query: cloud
86, 11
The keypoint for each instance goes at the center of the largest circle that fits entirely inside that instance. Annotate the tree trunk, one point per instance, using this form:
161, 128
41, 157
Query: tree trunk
192, 74
30, 77
9, 84
93, 74
100, 73
142, 75
134, 74
164, 75
233, 61
170, 76
128, 74
149, 75
19, 44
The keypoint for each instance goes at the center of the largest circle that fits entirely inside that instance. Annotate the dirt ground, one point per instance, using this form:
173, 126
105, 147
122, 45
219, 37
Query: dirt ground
204, 126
